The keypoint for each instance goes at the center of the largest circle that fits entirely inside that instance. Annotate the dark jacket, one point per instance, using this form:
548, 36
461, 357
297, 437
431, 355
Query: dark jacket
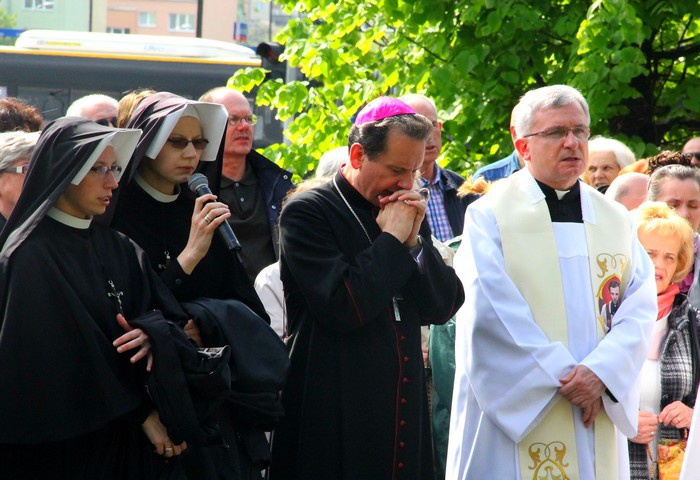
679, 376
275, 182
455, 206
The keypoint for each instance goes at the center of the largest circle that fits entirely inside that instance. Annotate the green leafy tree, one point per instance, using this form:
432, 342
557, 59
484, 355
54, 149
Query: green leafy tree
7, 21
636, 62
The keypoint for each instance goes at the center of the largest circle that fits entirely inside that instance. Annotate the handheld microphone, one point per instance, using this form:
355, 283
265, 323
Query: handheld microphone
199, 185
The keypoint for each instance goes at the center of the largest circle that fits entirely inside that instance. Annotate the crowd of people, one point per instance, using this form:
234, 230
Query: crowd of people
174, 307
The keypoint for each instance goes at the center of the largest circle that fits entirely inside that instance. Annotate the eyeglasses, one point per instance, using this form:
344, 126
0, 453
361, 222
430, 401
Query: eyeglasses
234, 120
181, 143
20, 169
691, 155
107, 122
557, 134
103, 170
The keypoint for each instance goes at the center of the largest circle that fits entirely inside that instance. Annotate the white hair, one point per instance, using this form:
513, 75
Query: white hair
77, 108
545, 97
622, 152
15, 145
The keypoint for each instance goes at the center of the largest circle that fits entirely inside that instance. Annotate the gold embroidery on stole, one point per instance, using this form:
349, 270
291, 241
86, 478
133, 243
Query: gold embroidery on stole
548, 452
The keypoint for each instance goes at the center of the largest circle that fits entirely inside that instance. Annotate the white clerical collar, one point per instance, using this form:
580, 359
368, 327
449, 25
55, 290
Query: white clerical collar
535, 194
69, 220
561, 193
159, 196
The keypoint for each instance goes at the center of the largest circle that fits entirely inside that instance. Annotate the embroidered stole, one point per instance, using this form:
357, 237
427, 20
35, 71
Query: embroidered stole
527, 236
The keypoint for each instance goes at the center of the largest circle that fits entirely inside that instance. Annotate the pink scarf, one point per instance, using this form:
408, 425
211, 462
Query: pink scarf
664, 301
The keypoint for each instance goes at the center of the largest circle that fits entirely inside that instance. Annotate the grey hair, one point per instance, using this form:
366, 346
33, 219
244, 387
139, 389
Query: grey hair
545, 97
622, 152
373, 135
16, 145
677, 172
330, 161
77, 108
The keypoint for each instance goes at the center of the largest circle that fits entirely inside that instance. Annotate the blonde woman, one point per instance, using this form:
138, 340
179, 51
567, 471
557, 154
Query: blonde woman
669, 377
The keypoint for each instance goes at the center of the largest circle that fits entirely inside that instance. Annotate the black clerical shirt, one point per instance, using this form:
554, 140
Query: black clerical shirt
568, 208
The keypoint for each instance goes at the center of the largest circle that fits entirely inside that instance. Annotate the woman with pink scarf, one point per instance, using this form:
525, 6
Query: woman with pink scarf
669, 377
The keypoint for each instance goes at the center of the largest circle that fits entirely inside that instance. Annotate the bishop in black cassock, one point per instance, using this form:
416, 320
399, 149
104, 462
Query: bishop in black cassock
356, 297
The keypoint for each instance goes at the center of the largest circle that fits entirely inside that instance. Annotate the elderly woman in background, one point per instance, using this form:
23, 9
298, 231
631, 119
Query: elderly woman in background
15, 152
606, 157
669, 377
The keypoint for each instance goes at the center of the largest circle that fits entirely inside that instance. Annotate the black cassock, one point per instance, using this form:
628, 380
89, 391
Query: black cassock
72, 407
355, 399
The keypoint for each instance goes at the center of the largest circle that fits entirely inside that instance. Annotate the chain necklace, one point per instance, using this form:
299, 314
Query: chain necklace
394, 299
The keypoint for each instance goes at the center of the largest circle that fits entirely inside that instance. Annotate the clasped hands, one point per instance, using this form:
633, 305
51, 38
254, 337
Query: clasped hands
675, 414
401, 215
582, 388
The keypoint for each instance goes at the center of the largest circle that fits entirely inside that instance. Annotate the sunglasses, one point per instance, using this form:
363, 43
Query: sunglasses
181, 143
691, 155
107, 122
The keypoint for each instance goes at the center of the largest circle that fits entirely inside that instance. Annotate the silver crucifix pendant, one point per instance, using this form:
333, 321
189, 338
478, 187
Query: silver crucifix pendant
395, 303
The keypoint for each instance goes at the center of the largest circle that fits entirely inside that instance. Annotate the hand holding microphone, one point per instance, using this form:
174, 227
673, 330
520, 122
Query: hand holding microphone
199, 185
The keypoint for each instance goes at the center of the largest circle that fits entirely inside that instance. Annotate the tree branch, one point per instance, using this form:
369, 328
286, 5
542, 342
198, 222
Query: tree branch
431, 53
675, 53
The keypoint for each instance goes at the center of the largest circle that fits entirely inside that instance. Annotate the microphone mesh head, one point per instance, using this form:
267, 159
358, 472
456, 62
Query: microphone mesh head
196, 181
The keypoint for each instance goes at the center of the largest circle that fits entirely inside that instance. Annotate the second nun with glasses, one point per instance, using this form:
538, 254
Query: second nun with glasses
177, 231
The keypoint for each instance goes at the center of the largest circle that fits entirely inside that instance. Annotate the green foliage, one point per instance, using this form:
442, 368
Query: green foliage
7, 21
636, 62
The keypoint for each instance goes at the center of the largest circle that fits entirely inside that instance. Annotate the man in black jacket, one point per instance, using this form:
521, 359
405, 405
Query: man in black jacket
445, 209
252, 186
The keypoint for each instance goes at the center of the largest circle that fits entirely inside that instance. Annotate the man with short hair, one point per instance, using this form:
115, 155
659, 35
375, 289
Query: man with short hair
97, 107
629, 189
610, 308
445, 209
692, 149
16, 150
360, 277
541, 385
252, 186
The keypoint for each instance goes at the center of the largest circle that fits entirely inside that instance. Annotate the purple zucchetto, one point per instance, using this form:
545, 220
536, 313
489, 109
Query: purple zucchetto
381, 108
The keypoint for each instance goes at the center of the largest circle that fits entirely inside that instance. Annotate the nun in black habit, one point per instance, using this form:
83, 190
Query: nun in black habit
155, 208
72, 369
177, 231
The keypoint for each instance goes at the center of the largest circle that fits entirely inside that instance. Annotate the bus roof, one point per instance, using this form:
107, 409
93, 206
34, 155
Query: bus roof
139, 45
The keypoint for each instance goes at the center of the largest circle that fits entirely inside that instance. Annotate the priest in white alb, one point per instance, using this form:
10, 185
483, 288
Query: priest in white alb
544, 389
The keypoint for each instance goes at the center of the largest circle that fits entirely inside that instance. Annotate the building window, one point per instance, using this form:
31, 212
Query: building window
181, 22
38, 4
118, 30
147, 19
